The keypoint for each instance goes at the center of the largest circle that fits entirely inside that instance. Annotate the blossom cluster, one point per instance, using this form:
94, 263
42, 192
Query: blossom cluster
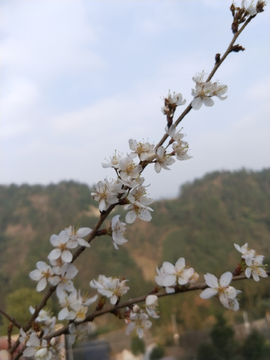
205, 90
109, 287
220, 288
74, 306
252, 263
247, 8
41, 349
137, 319
128, 188
170, 276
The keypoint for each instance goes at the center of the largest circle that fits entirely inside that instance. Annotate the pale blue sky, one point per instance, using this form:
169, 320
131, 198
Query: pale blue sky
80, 78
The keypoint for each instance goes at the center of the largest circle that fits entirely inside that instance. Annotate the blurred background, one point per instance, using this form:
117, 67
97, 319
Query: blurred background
78, 80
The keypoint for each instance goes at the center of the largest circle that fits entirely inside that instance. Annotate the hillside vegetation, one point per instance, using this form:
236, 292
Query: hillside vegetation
201, 224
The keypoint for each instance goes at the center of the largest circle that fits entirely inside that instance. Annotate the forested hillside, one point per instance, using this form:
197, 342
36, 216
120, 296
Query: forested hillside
201, 224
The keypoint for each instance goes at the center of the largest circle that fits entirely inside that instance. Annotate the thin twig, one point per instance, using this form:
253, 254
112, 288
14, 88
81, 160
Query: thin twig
10, 318
216, 66
131, 302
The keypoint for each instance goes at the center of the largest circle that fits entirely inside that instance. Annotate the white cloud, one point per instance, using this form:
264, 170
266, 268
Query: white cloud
47, 38
82, 78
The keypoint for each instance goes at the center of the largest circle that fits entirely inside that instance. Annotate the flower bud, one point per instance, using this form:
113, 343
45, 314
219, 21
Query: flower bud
234, 27
136, 308
260, 6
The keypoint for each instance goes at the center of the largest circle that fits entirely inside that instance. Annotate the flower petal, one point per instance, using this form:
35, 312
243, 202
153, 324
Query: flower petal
208, 293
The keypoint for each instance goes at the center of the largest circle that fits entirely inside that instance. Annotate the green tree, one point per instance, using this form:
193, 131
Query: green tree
255, 346
157, 353
223, 345
17, 305
137, 346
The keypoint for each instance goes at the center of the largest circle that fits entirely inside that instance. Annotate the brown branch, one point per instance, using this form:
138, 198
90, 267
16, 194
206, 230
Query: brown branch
216, 66
131, 302
10, 318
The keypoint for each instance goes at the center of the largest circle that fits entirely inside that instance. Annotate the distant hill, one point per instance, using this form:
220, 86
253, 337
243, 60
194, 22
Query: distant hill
201, 224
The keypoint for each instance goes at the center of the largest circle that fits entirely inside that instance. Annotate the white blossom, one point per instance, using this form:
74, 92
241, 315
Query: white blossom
138, 205
37, 348
63, 243
139, 321
78, 331
45, 318
245, 251
42, 274
128, 169
220, 288
74, 306
171, 102
110, 287
151, 304
24, 337
163, 160
113, 162
170, 276
132, 183
204, 91
248, 6
106, 193
78, 235
255, 267
63, 281
118, 231
143, 150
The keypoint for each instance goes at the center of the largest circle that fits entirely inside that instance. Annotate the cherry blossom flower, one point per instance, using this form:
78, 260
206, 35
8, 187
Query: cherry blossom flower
180, 149
171, 102
113, 162
62, 242
163, 160
46, 320
245, 251
78, 331
250, 9
66, 301
110, 287
42, 274
118, 229
232, 304
143, 150
24, 337
139, 321
175, 134
255, 267
43, 315
205, 90
221, 289
128, 169
133, 183
138, 205
78, 235
63, 281
169, 276
74, 306
151, 304
159, 278
37, 348
106, 193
